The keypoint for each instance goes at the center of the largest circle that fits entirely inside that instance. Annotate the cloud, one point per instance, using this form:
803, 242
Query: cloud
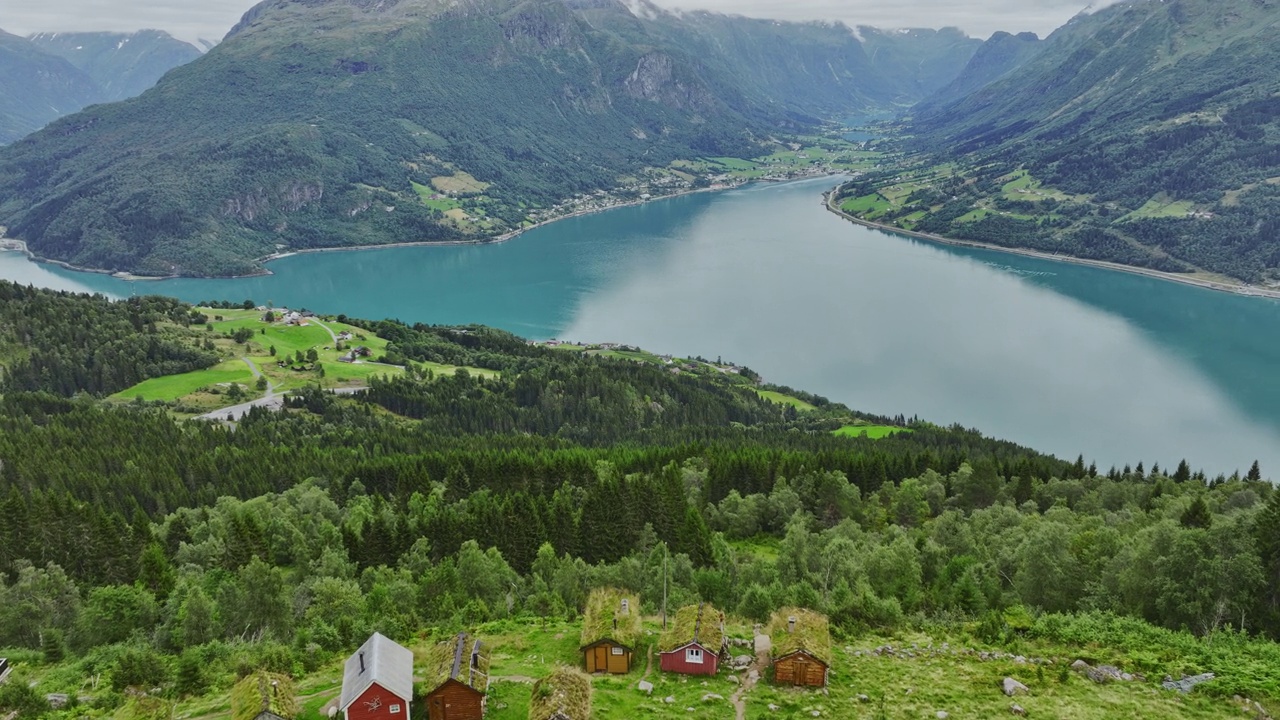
211, 19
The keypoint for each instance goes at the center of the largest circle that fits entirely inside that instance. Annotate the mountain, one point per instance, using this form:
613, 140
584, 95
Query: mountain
36, 87
1162, 118
915, 60
999, 55
122, 64
320, 123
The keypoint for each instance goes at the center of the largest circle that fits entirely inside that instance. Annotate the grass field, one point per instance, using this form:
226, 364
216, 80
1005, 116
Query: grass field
172, 387
973, 215
781, 399
459, 183
1161, 206
875, 432
873, 203
930, 673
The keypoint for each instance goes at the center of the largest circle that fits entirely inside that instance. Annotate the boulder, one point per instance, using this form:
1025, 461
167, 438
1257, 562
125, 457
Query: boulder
741, 661
733, 679
712, 696
863, 698
1016, 709
645, 687
1186, 683
668, 699
942, 715
1080, 666
754, 675
773, 708
1012, 687
1107, 673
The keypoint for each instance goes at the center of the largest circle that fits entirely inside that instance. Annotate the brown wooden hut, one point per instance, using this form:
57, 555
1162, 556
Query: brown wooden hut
457, 670
801, 647
610, 631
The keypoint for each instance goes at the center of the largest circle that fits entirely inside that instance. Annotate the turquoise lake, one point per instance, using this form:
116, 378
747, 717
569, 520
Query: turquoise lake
1065, 358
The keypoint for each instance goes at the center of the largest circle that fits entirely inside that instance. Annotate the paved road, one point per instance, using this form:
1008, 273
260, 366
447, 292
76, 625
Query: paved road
270, 402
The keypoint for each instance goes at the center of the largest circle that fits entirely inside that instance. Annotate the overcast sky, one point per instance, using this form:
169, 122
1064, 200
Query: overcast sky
211, 19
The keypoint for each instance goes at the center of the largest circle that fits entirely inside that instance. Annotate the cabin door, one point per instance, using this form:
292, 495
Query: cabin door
436, 709
800, 672
602, 658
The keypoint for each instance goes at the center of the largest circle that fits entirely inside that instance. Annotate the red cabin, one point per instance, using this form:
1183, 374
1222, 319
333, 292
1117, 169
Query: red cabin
377, 682
695, 642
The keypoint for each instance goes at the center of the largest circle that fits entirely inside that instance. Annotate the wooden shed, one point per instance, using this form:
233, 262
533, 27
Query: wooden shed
264, 696
801, 647
457, 670
610, 630
695, 642
377, 681
565, 694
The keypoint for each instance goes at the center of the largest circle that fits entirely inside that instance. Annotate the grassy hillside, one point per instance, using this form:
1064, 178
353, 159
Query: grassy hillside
1138, 102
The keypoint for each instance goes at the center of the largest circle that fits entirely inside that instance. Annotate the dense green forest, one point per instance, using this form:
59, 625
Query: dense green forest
1159, 119
147, 553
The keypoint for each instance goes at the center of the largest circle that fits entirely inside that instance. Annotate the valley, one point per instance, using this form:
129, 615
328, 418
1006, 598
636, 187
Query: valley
693, 365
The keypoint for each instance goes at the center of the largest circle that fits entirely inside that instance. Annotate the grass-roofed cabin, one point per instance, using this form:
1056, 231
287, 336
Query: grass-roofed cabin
264, 696
801, 647
457, 670
563, 695
695, 641
610, 630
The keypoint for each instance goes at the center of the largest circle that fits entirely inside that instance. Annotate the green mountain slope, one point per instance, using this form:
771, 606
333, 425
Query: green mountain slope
1164, 116
122, 64
999, 55
36, 87
318, 124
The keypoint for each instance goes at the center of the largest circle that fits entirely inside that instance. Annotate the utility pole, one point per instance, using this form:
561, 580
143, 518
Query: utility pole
665, 552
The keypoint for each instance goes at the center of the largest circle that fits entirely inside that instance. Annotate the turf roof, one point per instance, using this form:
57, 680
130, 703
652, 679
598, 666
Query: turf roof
603, 606
264, 692
700, 623
812, 634
451, 659
566, 691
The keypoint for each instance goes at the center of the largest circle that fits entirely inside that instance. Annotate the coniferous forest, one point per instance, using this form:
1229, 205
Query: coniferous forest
136, 551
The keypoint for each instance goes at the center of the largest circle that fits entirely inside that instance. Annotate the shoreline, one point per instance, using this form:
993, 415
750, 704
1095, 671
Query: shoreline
1227, 287
15, 245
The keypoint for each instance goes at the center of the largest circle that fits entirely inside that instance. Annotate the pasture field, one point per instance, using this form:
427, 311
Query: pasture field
875, 432
938, 670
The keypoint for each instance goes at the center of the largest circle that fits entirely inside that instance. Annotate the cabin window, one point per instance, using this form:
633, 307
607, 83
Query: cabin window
693, 655
616, 651
395, 709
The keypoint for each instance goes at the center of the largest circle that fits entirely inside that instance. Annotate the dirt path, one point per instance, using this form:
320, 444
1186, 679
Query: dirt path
752, 675
648, 665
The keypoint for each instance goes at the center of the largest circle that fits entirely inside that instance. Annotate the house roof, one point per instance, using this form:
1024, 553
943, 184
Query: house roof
811, 634
379, 660
263, 693
565, 693
604, 606
694, 624
464, 659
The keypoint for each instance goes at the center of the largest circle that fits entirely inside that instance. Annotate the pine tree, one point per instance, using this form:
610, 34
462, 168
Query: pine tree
1255, 473
1197, 514
1183, 473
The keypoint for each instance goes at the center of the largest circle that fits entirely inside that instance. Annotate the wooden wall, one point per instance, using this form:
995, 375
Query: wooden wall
455, 701
385, 699
799, 668
601, 658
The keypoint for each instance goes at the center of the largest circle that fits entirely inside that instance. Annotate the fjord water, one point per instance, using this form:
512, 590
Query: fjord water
1065, 358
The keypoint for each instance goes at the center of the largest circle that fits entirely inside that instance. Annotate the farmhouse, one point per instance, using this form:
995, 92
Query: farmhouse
610, 629
264, 696
377, 682
801, 647
458, 672
565, 694
695, 642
